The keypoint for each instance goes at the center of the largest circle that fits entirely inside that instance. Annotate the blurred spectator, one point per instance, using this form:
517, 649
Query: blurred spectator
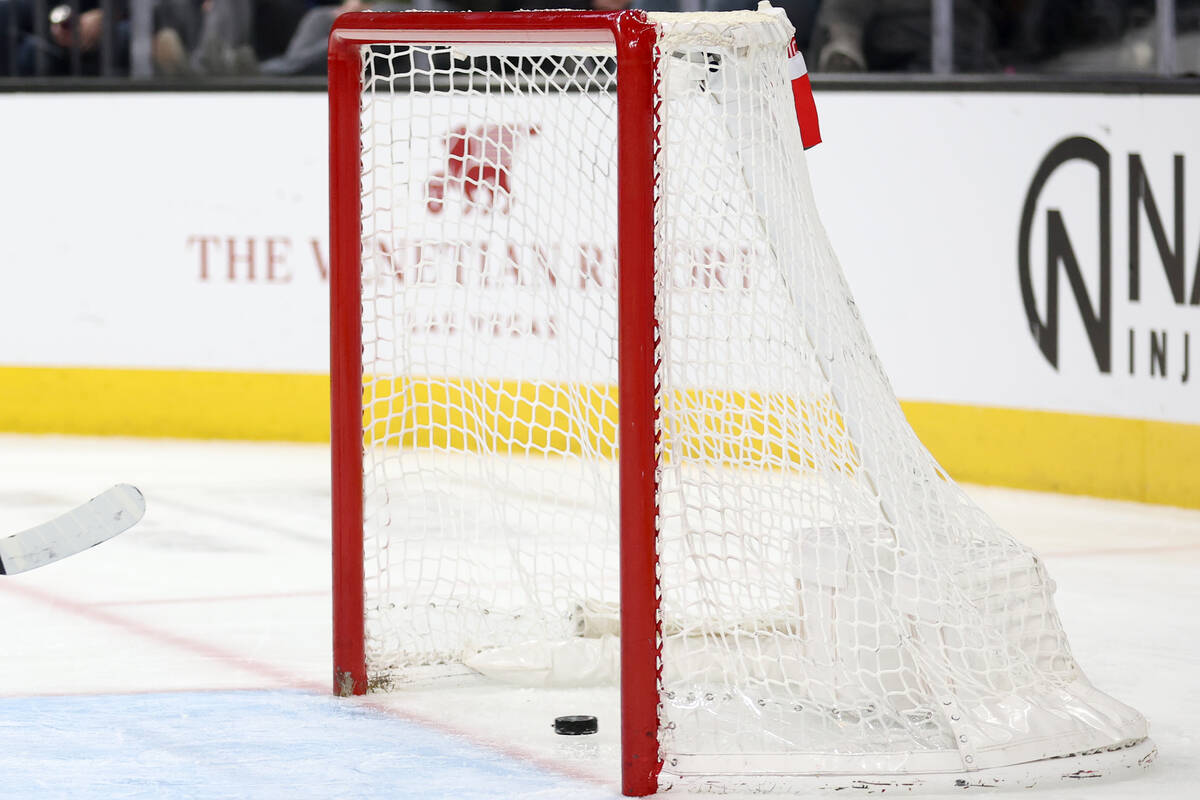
288, 37
897, 35
995, 35
305, 53
222, 37
16, 17
192, 37
64, 29
1104, 36
226, 44
1043, 29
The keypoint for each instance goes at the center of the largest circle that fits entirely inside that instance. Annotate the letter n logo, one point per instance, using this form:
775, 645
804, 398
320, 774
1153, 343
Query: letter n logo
1097, 319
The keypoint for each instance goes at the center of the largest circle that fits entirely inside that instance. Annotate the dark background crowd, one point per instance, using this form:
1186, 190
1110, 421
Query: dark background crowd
224, 38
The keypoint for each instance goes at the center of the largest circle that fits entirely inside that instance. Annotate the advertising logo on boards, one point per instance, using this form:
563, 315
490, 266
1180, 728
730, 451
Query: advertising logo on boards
1141, 325
479, 164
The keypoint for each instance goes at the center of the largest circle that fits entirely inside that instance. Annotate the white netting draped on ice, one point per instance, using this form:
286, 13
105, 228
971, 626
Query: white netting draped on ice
831, 601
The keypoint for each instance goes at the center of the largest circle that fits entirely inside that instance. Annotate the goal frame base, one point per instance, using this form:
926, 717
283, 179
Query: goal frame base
1109, 764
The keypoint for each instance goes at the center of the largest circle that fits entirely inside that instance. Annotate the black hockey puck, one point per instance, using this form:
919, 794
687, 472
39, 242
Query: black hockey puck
575, 725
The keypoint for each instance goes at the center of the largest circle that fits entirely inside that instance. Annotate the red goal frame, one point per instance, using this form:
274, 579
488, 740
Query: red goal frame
634, 36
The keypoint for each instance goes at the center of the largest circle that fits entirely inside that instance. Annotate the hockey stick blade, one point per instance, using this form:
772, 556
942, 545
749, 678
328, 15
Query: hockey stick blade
96, 521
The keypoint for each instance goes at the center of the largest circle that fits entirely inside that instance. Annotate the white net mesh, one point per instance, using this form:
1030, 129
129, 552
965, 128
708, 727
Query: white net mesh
490, 329
831, 601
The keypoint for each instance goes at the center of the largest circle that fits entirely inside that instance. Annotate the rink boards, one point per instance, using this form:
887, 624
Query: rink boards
187, 297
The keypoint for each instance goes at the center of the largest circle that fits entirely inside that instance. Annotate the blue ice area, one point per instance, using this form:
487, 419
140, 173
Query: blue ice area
277, 744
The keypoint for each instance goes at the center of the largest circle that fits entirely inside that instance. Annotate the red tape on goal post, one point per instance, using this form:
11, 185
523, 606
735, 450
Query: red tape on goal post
806, 107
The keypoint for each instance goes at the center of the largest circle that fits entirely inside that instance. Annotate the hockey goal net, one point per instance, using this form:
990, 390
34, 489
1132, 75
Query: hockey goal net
605, 413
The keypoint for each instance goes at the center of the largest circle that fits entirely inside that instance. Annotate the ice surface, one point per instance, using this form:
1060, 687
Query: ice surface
189, 657
284, 744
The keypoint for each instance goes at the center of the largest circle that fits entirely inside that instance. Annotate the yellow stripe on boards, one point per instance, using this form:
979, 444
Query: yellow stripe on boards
1156, 462
732, 428
513, 417
165, 403
509, 417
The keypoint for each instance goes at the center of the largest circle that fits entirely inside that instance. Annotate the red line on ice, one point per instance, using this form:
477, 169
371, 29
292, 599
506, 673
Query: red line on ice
230, 598
207, 650
161, 637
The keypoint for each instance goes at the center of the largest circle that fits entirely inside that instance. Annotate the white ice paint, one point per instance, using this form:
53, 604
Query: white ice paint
116, 666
